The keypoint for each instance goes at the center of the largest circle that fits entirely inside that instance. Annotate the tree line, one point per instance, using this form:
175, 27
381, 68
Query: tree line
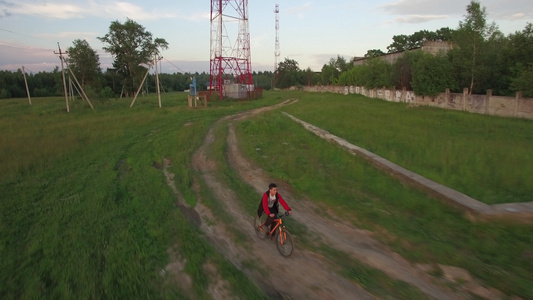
481, 58
106, 84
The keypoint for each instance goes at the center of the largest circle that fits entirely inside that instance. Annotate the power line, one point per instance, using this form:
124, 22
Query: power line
31, 71
7, 44
22, 34
175, 66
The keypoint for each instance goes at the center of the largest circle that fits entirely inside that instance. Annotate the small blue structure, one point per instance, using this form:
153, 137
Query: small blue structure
192, 87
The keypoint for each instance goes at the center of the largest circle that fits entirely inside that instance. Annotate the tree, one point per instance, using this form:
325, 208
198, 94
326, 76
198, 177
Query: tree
330, 72
311, 78
374, 53
399, 43
131, 45
84, 62
339, 63
402, 69
523, 82
518, 57
469, 56
416, 40
352, 77
289, 74
375, 73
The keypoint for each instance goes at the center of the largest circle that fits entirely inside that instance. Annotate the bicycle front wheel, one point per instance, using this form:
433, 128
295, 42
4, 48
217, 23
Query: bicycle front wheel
284, 243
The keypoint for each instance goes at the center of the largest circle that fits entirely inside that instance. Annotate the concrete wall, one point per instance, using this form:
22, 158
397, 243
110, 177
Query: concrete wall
517, 107
432, 47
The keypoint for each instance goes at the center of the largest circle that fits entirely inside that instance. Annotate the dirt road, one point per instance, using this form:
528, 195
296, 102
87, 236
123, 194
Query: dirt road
305, 275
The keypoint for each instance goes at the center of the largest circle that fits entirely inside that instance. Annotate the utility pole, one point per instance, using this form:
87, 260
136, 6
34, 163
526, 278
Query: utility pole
63, 74
157, 80
26, 83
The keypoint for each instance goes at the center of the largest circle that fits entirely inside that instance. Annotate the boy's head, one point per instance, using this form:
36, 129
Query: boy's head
273, 188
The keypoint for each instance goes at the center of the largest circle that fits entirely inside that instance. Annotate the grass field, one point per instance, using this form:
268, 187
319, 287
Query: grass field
488, 158
420, 228
86, 212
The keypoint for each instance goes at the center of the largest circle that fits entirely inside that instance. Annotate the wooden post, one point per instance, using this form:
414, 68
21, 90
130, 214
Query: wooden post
26, 83
517, 98
487, 101
465, 92
447, 93
140, 86
83, 95
63, 75
157, 82
70, 91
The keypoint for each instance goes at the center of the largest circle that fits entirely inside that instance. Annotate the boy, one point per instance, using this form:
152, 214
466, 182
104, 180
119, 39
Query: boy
270, 205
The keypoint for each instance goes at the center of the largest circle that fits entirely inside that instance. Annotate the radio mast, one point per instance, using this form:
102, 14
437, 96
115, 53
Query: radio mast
276, 51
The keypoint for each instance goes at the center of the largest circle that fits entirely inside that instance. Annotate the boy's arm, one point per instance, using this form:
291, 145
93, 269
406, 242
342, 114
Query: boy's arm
283, 203
265, 204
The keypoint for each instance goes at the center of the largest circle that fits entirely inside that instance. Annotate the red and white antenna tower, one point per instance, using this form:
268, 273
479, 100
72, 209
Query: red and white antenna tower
230, 59
276, 51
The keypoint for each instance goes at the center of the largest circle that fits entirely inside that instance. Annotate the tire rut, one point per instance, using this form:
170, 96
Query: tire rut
305, 275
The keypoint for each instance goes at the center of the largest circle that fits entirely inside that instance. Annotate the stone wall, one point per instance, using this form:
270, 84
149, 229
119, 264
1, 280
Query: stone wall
517, 107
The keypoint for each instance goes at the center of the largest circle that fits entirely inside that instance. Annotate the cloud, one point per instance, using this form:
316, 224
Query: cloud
424, 7
418, 11
68, 10
419, 18
299, 10
68, 34
4, 11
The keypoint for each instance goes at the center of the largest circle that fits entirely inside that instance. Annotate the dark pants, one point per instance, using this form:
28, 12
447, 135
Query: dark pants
269, 221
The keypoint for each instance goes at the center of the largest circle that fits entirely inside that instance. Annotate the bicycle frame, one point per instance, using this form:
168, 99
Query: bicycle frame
278, 222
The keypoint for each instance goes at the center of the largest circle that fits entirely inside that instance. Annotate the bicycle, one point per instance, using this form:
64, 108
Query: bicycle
281, 235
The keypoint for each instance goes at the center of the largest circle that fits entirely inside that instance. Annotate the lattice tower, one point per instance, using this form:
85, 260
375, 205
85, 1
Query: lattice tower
230, 44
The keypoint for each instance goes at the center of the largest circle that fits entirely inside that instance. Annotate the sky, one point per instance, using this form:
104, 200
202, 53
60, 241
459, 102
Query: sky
310, 32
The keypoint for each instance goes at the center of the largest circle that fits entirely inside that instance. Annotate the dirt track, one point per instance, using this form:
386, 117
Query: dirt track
305, 275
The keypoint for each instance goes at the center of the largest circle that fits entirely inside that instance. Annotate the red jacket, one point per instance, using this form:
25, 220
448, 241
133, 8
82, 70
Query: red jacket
278, 199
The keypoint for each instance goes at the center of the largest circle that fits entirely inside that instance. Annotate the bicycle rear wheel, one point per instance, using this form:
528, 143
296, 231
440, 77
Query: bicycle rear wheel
284, 243
260, 233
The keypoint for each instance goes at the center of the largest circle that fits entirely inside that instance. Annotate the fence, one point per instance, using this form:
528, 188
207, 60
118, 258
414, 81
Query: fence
517, 107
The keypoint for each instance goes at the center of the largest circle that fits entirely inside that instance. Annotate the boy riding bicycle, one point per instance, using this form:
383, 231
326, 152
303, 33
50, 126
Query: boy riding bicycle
270, 205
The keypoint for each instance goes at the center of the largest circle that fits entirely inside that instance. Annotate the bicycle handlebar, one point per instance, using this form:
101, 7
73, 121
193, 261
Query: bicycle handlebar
286, 214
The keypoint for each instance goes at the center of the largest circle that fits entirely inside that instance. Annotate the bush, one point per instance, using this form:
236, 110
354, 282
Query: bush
523, 82
105, 94
432, 74
4, 94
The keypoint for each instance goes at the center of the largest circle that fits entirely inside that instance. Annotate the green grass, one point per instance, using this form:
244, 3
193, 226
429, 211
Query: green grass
487, 158
420, 228
374, 281
84, 212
